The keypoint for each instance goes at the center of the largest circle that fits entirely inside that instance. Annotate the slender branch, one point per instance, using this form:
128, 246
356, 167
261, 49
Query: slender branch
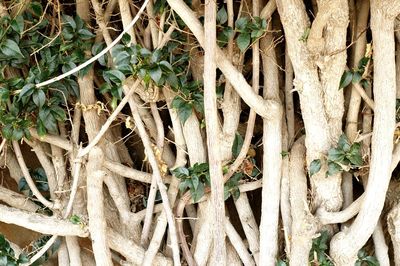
29, 179
52, 139
238, 244
42, 250
343, 216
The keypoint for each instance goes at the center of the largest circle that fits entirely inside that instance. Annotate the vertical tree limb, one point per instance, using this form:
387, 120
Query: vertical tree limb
272, 158
345, 245
95, 206
213, 133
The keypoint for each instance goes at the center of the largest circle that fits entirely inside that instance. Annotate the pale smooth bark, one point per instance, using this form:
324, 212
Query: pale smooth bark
40, 223
213, 134
304, 224
345, 245
272, 159
95, 206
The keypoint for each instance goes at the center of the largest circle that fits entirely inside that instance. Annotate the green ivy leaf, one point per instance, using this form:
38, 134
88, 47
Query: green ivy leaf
198, 193
356, 77
23, 258
10, 48
183, 108
237, 145
224, 36
18, 133
281, 263
200, 167
166, 66
75, 219
336, 155
173, 80
122, 58
126, 39
85, 34
7, 131
315, 166
195, 181
26, 92
243, 41
241, 23
354, 155
17, 24
222, 16
180, 172
345, 80
333, 168
365, 83
37, 8
41, 129
184, 185
114, 75
69, 21
343, 143
155, 74
39, 98
363, 63
256, 34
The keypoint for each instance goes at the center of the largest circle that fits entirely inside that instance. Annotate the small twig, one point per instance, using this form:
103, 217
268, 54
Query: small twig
74, 188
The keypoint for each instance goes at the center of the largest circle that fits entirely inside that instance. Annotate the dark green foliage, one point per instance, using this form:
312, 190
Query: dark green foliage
22, 105
194, 178
365, 260
319, 249
7, 254
315, 166
231, 187
344, 157
355, 75
249, 31
237, 145
190, 98
39, 177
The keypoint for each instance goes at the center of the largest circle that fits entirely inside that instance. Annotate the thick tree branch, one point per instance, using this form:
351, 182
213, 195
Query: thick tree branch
41, 223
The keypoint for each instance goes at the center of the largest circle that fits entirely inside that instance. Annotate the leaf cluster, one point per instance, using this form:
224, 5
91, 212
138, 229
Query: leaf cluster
7, 254
134, 60
248, 30
318, 250
356, 75
39, 57
190, 98
194, 178
365, 260
344, 157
